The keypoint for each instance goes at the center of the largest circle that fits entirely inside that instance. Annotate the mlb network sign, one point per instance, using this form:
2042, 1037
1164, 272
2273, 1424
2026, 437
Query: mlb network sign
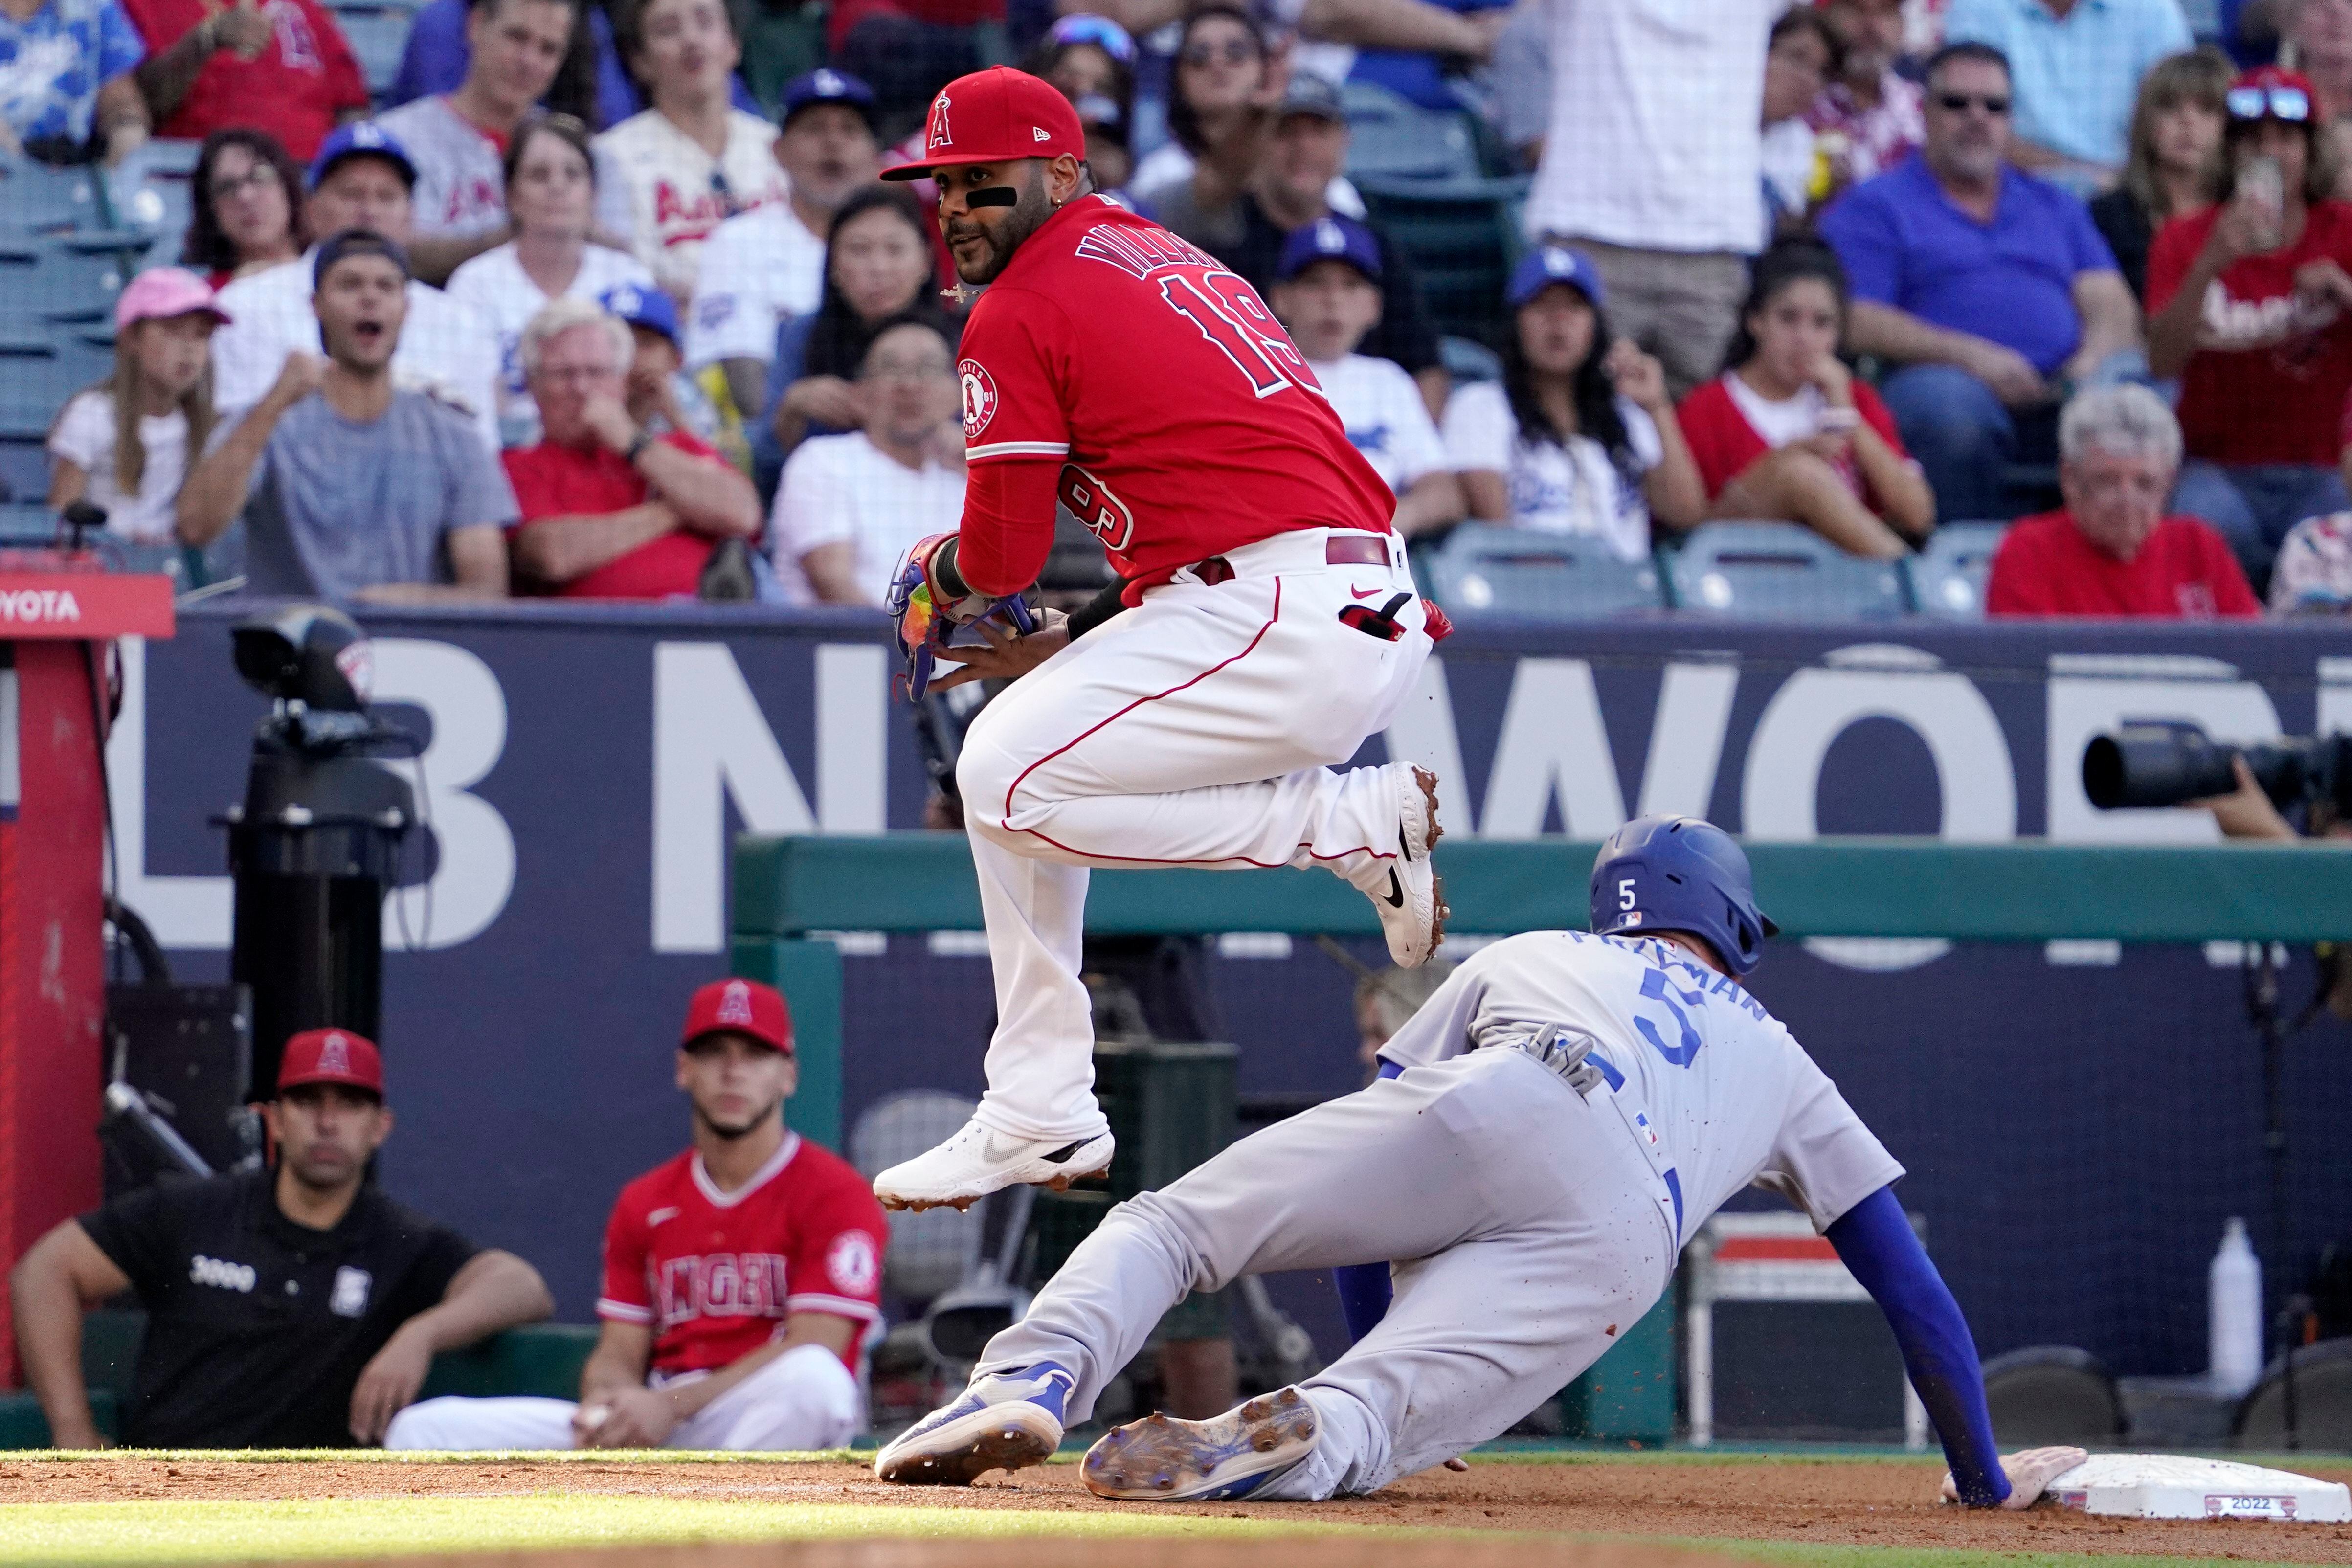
588, 773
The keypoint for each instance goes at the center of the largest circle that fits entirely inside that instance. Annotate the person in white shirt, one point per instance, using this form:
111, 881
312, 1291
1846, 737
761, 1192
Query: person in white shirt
1578, 437
693, 160
460, 142
551, 182
1653, 165
850, 506
1326, 292
362, 179
767, 266
122, 445
1804, 57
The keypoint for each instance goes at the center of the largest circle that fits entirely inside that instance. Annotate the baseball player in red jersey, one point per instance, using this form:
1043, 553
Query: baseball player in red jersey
1264, 626
740, 1279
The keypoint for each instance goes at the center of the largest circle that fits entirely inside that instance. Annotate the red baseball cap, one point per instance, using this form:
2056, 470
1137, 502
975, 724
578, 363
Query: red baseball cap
996, 116
331, 1056
742, 1007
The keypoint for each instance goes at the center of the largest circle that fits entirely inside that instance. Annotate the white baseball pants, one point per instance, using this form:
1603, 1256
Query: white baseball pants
804, 1399
1526, 1226
1199, 729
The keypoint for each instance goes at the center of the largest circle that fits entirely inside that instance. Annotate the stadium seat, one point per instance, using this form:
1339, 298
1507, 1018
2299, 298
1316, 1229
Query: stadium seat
27, 523
24, 465
1780, 572
152, 193
378, 31
1947, 577
1392, 138
1483, 571
38, 198
2049, 1394
1462, 236
934, 1251
1466, 360
2323, 1402
39, 370
65, 277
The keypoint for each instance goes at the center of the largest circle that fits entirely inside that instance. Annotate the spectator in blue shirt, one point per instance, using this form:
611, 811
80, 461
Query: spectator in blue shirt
593, 85
1989, 288
2077, 65
65, 79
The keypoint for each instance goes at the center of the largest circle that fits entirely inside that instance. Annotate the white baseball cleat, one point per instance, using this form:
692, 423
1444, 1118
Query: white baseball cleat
1407, 893
979, 1160
1000, 1423
1162, 1460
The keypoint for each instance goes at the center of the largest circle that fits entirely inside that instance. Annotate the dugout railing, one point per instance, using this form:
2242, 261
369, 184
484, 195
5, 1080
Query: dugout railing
789, 890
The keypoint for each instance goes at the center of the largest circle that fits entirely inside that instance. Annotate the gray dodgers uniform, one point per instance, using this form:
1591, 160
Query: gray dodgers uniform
1533, 1193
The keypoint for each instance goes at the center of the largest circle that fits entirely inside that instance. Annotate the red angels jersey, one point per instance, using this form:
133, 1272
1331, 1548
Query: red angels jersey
716, 1274
1187, 422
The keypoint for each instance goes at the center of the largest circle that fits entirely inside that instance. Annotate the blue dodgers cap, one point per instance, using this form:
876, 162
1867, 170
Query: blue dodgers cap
825, 87
357, 242
1549, 264
1329, 239
360, 139
649, 307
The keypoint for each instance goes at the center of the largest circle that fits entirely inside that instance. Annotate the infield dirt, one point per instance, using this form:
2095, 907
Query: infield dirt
1833, 1502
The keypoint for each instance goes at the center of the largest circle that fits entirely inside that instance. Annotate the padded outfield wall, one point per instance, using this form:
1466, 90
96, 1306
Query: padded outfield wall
2079, 1119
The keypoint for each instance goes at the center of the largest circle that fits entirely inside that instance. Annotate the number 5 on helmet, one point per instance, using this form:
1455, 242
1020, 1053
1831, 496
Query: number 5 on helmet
926, 619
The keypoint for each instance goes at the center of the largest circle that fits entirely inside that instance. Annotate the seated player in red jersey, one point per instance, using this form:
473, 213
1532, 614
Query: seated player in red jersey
741, 1278
2111, 551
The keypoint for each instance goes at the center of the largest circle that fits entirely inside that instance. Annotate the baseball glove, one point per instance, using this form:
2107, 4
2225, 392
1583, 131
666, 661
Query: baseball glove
927, 620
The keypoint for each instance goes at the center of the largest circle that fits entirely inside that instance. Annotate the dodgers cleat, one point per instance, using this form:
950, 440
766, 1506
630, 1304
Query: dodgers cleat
979, 1160
1409, 895
1002, 1423
1161, 1460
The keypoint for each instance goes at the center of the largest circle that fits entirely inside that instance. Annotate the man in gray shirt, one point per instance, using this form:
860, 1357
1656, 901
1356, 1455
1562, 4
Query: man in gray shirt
350, 488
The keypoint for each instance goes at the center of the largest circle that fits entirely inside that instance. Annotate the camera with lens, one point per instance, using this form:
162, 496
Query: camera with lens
2158, 765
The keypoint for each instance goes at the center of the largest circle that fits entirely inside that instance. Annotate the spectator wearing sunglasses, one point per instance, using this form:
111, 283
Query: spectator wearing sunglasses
1987, 289
1090, 60
2076, 65
2251, 305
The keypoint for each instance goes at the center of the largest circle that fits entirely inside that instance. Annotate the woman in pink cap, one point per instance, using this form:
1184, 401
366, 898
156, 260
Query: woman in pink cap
123, 445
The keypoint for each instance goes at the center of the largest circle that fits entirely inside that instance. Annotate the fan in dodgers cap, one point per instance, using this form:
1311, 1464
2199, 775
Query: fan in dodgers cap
1116, 369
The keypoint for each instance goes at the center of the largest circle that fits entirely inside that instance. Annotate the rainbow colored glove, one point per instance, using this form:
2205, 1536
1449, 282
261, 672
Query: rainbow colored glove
927, 620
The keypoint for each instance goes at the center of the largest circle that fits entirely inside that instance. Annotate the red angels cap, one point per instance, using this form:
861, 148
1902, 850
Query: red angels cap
331, 1056
996, 116
742, 1007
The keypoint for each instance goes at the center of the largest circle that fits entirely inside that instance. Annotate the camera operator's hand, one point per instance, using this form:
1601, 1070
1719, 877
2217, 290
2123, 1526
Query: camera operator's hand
1007, 656
2246, 812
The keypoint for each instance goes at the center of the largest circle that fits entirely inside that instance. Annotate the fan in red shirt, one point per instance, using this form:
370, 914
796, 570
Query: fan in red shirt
1265, 622
2112, 551
283, 66
609, 509
2250, 303
740, 1279
1787, 432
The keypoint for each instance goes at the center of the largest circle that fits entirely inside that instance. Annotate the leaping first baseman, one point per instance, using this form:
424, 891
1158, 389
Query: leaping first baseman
1264, 623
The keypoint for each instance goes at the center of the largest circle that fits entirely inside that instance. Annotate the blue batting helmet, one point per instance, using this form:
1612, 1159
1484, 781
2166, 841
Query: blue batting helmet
1679, 873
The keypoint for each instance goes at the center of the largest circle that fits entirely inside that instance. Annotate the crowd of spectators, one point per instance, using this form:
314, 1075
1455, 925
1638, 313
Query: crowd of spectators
1841, 265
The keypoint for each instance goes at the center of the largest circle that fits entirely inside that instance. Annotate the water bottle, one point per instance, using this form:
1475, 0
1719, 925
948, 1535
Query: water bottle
2235, 1312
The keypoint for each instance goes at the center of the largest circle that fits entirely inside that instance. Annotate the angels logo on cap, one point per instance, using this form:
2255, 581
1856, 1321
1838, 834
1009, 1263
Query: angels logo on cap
735, 1003
937, 134
334, 1053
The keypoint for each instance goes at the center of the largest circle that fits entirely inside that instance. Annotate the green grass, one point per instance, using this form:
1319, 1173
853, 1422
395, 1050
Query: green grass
157, 1533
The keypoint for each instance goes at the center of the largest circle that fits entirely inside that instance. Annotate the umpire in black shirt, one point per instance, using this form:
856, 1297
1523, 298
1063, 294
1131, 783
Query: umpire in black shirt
294, 1309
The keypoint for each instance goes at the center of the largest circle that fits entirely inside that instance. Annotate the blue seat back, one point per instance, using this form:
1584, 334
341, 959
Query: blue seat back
1461, 237
1779, 571
39, 370
378, 33
1392, 138
38, 198
1483, 571
1947, 577
153, 192
62, 278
